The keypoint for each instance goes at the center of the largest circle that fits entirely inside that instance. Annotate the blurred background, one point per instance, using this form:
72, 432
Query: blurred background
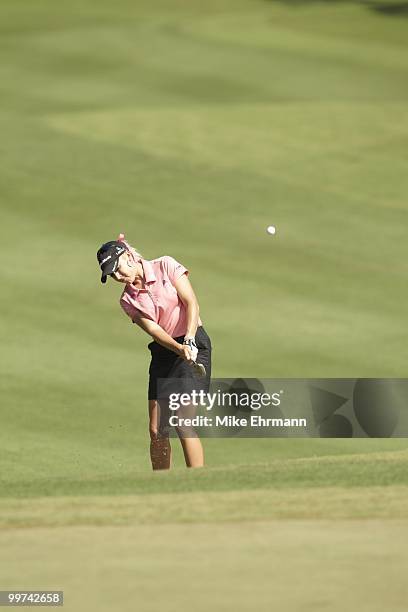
191, 127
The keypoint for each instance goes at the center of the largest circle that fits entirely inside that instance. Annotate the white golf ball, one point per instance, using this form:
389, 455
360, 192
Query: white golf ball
271, 229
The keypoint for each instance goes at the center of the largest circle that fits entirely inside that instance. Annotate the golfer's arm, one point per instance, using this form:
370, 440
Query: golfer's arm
187, 296
158, 334
192, 318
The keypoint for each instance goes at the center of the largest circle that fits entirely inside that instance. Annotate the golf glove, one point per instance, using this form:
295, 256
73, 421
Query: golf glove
190, 342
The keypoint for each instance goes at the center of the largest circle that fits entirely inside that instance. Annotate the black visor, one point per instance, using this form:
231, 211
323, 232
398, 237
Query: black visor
108, 256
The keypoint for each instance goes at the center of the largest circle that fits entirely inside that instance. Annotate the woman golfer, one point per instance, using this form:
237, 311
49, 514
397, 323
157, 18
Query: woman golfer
159, 298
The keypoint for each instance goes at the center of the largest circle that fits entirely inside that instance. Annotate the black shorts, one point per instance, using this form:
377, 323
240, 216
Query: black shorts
166, 364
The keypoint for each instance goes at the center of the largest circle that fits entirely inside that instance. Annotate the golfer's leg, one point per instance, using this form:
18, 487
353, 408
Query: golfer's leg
193, 452
160, 449
191, 443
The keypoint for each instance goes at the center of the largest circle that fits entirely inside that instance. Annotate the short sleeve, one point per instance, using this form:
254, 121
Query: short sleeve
173, 268
128, 309
131, 311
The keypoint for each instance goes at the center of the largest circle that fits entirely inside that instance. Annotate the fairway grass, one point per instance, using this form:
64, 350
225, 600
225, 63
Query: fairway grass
360, 469
293, 565
304, 533
191, 126
359, 486
230, 506
219, 117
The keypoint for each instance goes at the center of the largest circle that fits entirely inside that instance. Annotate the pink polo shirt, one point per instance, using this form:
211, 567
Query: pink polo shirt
159, 300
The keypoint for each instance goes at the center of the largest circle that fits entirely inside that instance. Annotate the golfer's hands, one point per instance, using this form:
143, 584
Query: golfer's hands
194, 352
188, 353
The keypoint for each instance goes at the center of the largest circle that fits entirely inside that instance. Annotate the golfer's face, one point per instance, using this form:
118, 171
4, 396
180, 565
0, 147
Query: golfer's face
125, 272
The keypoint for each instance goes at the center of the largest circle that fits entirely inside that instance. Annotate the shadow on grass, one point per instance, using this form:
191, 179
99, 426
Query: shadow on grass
390, 9
394, 9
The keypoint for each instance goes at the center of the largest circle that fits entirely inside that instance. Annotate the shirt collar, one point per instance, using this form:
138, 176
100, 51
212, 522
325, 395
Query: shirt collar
150, 276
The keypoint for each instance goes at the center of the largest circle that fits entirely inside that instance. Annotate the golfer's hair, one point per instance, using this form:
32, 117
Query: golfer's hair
135, 253
133, 250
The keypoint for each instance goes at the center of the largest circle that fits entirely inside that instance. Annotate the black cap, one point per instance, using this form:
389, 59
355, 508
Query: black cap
108, 256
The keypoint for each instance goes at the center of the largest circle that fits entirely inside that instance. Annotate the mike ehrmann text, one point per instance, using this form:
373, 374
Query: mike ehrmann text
256, 420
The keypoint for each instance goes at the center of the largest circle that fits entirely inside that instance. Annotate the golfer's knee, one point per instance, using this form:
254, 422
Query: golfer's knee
156, 434
153, 432
186, 432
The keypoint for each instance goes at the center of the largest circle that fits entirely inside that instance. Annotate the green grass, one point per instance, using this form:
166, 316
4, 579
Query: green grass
164, 496
219, 119
288, 564
243, 505
347, 470
192, 127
